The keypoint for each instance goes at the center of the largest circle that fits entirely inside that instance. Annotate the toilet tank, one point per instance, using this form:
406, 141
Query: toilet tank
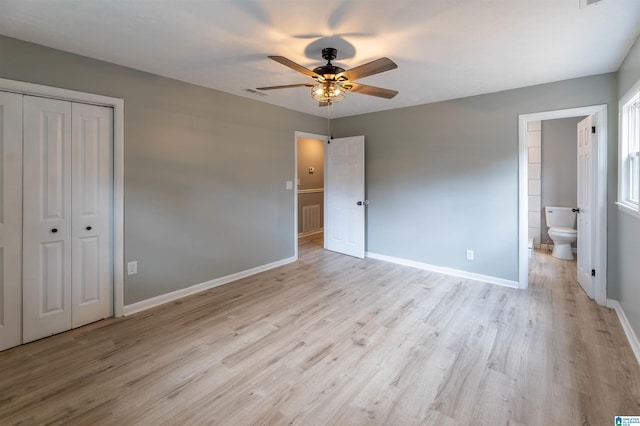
559, 217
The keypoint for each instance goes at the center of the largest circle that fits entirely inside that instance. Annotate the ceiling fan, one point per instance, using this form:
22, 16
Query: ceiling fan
332, 82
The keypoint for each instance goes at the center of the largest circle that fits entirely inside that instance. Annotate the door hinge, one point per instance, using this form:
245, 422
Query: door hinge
593, 272
593, 129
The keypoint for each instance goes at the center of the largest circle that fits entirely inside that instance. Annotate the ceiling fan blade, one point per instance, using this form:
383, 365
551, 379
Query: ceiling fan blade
370, 68
288, 86
308, 36
372, 90
289, 63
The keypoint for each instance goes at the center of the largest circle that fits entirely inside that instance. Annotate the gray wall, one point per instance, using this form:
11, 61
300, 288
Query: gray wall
629, 72
559, 166
625, 287
443, 177
310, 154
205, 171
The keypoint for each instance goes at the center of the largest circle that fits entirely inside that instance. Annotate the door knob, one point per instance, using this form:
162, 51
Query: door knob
359, 203
88, 228
575, 210
363, 203
54, 230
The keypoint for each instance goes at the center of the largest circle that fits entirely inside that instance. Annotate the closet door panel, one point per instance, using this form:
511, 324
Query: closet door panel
10, 220
47, 217
91, 206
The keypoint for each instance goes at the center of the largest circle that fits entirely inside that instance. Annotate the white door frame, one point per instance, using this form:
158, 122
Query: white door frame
117, 104
297, 135
599, 193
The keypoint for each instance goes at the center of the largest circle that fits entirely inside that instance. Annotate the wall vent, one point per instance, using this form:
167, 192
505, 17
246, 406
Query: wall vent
310, 218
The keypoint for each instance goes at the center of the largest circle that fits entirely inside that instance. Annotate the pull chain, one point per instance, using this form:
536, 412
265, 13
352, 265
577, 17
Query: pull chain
329, 112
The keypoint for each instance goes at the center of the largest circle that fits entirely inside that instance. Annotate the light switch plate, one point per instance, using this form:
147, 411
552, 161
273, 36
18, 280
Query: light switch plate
132, 267
289, 184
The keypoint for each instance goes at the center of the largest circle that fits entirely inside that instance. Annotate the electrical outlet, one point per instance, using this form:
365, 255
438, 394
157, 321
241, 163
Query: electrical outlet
132, 267
469, 254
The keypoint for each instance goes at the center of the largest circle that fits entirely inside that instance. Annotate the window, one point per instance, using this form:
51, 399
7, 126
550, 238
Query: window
629, 151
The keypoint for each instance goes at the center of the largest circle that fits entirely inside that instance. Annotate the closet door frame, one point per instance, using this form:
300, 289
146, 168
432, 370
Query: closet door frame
10, 220
117, 104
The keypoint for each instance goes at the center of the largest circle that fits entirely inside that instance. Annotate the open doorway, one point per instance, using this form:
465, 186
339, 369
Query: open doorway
552, 174
332, 205
597, 190
552, 194
310, 189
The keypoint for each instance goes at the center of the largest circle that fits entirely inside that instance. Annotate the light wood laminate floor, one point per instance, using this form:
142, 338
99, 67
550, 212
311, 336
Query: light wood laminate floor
335, 340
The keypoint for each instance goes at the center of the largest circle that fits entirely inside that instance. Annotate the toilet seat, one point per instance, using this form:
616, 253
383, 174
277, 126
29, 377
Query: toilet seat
561, 231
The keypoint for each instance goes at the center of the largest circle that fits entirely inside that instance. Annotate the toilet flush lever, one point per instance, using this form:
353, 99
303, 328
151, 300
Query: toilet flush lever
575, 210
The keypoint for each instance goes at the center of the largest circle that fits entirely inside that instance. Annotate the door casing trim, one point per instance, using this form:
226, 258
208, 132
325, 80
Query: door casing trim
599, 193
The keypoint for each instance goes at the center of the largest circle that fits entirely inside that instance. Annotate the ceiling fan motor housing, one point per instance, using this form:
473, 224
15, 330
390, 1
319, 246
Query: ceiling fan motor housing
329, 71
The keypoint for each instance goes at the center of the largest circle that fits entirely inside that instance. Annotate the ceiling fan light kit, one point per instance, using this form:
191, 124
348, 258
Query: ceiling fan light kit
328, 92
332, 82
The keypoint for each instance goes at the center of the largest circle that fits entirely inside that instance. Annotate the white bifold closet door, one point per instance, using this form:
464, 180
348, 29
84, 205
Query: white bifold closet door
66, 274
10, 220
91, 207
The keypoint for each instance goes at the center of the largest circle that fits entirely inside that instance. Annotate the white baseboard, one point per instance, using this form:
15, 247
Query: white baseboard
443, 270
309, 233
626, 326
196, 288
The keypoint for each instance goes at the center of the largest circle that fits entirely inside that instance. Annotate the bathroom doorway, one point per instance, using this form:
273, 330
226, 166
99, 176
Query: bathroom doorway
597, 190
552, 174
309, 189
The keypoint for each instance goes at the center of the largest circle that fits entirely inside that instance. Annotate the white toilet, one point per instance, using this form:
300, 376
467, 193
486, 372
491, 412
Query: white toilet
561, 222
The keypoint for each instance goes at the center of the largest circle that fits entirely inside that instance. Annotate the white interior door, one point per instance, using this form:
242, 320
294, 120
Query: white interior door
586, 148
10, 220
46, 218
345, 203
91, 179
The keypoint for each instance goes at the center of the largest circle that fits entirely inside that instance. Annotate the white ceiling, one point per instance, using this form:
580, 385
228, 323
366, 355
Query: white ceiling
444, 49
